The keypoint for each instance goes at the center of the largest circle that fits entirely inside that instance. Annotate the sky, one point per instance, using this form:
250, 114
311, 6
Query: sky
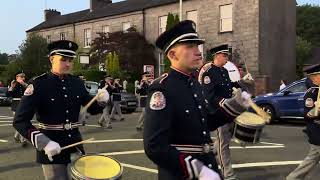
20, 15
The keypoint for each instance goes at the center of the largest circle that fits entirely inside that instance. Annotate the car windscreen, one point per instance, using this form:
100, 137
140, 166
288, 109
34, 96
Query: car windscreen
296, 88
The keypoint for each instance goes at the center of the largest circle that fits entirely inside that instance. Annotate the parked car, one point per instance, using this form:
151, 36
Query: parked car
287, 103
129, 101
4, 99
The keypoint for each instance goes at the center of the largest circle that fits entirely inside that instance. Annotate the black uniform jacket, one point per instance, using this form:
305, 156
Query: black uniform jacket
56, 101
16, 94
143, 93
176, 117
116, 92
313, 122
216, 84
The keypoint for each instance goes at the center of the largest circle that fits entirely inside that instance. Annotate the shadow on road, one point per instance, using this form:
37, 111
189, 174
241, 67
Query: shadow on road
18, 166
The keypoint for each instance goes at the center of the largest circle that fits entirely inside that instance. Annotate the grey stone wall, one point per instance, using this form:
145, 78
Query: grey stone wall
277, 41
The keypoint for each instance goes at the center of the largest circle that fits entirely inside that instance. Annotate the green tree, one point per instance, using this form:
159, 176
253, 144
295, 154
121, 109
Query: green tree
171, 21
34, 56
308, 23
132, 49
4, 58
112, 65
303, 48
32, 59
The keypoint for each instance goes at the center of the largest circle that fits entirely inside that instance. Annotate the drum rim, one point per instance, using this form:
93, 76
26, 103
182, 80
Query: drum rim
250, 125
78, 175
242, 123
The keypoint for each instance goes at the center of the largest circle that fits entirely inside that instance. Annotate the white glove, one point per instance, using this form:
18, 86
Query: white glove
208, 174
246, 99
51, 149
103, 95
247, 77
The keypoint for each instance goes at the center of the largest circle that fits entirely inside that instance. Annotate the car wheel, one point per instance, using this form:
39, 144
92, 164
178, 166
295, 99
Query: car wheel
269, 109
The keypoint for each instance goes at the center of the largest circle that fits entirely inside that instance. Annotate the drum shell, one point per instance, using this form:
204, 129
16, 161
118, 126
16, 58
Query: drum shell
78, 176
247, 134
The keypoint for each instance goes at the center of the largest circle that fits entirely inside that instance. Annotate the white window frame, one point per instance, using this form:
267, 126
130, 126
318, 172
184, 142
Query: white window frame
161, 24
189, 17
106, 29
226, 17
63, 36
48, 37
87, 37
124, 28
161, 63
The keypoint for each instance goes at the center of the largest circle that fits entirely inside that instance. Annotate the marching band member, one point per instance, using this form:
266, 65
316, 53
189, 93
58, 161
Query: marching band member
217, 86
16, 90
312, 118
56, 98
142, 91
177, 124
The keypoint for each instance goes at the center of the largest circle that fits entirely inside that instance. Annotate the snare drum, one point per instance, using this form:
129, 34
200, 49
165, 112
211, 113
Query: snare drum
96, 167
248, 128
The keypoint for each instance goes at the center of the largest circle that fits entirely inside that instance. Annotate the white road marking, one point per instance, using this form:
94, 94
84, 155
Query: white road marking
270, 143
139, 168
264, 164
6, 118
3, 140
123, 152
256, 147
5, 125
235, 166
5, 121
276, 144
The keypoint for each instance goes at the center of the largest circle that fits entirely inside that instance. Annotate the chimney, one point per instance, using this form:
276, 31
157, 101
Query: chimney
51, 13
96, 4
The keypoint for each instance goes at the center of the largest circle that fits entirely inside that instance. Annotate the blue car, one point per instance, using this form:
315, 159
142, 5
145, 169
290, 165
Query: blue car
285, 104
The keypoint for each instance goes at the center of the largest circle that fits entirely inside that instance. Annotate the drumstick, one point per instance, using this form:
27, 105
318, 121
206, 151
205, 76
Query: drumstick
84, 109
257, 109
78, 143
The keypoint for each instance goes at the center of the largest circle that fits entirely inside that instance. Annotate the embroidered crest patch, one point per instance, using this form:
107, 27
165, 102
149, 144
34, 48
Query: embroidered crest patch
157, 101
206, 80
309, 102
29, 90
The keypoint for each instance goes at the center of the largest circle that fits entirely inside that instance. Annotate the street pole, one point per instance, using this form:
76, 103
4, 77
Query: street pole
180, 10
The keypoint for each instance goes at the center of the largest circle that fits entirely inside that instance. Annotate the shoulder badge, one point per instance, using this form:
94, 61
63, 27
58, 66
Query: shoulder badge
206, 80
309, 102
157, 101
29, 90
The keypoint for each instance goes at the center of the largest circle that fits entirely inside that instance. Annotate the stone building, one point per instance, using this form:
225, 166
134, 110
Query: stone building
261, 32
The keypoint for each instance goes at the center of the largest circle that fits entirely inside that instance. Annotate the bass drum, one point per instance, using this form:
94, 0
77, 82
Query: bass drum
233, 71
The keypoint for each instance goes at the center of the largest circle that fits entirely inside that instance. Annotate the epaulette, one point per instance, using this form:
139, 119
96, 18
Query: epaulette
203, 69
160, 79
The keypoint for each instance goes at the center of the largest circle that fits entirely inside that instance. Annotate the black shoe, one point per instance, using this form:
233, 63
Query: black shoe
24, 143
139, 128
102, 124
109, 127
112, 119
122, 119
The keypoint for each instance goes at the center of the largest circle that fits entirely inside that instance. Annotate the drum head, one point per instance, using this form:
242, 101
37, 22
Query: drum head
97, 167
251, 119
233, 71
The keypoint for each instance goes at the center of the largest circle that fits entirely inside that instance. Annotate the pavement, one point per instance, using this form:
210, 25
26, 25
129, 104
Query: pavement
282, 147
